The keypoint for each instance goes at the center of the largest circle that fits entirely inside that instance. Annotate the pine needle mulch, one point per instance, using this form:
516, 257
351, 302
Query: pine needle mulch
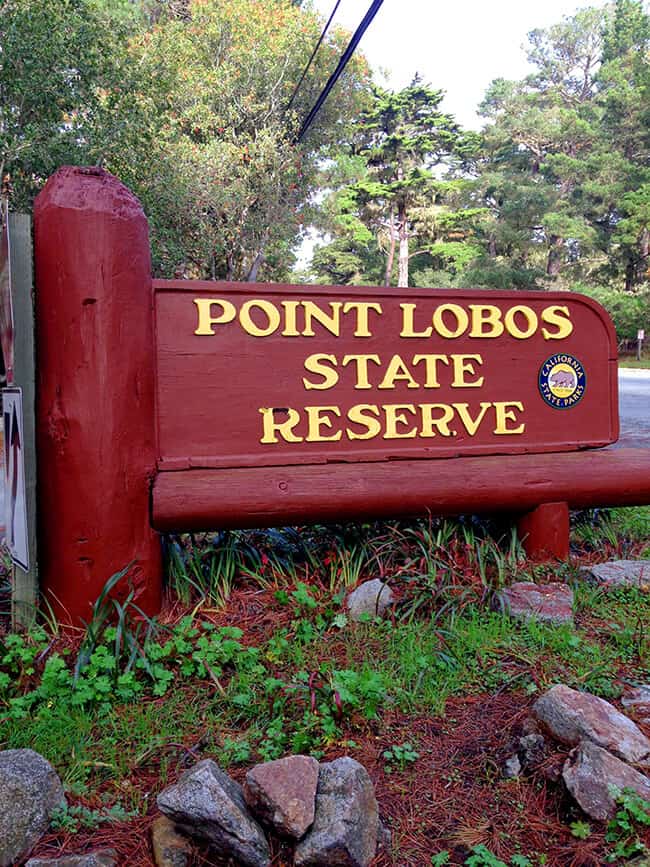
453, 798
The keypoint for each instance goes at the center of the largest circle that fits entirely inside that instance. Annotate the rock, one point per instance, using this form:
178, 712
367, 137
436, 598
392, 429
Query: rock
99, 858
283, 793
638, 700
549, 602
530, 726
30, 790
591, 772
620, 573
170, 849
346, 824
532, 749
384, 837
371, 598
571, 716
512, 767
205, 802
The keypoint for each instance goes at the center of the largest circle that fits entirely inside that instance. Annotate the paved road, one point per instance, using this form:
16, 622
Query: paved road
634, 408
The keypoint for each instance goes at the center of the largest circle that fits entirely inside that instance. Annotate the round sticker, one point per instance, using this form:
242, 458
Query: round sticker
562, 381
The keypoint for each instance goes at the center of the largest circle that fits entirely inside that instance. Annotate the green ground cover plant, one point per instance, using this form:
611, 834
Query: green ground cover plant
133, 694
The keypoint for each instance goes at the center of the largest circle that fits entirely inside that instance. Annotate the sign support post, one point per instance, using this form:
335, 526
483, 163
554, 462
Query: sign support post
95, 407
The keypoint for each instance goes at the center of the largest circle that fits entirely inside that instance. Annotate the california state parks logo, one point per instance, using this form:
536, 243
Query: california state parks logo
562, 381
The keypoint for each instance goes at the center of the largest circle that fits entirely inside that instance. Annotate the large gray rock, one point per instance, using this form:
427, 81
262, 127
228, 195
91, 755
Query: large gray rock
571, 716
283, 793
99, 858
30, 790
620, 573
205, 802
371, 598
346, 825
550, 602
592, 775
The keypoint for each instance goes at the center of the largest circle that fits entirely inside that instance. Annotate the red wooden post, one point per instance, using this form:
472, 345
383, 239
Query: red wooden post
545, 532
95, 399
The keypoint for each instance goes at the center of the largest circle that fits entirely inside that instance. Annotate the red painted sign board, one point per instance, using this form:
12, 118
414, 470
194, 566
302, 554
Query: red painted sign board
252, 375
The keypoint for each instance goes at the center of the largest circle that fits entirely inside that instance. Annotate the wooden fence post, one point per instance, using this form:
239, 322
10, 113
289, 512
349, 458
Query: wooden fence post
95, 392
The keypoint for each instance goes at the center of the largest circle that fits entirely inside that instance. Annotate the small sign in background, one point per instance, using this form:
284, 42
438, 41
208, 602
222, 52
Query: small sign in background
14, 477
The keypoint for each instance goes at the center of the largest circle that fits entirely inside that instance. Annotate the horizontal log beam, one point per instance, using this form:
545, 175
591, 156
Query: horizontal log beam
274, 496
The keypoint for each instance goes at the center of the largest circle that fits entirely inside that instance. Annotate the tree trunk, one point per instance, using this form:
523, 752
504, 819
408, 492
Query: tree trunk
630, 271
554, 261
644, 254
403, 264
251, 277
391, 252
492, 247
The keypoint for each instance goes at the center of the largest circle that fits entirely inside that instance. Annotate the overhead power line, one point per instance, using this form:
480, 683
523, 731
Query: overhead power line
343, 62
313, 54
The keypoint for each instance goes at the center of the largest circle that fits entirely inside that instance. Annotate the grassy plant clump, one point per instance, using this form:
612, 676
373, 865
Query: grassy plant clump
618, 531
136, 695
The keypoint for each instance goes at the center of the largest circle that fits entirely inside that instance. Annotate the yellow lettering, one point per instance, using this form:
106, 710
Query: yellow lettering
269, 310
290, 328
470, 424
330, 321
397, 371
394, 417
504, 415
441, 424
462, 365
408, 328
511, 325
559, 316
284, 428
462, 320
358, 414
430, 363
317, 364
317, 420
207, 320
362, 308
361, 362
486, 315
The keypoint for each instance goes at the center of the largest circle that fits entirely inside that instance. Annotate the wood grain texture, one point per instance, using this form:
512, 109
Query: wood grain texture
273, 496
95, 409
545, 532
210, 388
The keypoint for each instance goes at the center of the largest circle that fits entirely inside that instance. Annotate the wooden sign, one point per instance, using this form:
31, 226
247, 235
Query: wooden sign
259, 375
242, 405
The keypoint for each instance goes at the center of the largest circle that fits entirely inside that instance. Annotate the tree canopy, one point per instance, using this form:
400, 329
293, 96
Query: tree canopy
193, 104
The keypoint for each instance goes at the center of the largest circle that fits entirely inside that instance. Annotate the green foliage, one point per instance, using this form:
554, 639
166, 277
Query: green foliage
400, 139
580, 830
399, 756
629, 311
72, 819
311, 686
633, 813
482, 857
187, 104
207, 565
59, 59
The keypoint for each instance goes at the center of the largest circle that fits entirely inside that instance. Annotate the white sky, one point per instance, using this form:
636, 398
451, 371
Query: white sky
457, 46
